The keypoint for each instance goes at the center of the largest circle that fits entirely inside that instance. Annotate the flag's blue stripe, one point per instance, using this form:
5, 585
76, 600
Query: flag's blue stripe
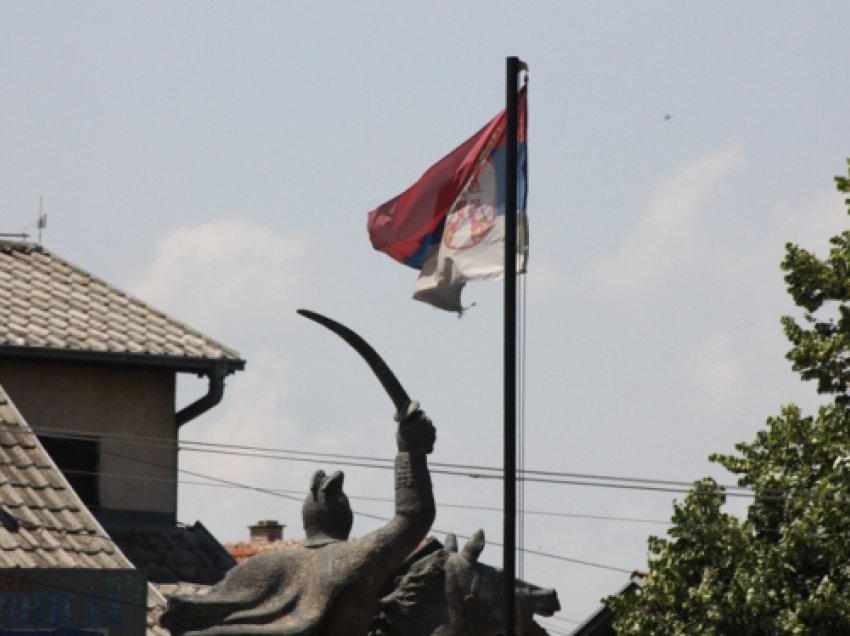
499, 158
417, 259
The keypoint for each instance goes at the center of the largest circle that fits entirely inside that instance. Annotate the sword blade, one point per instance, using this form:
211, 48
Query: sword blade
385, 376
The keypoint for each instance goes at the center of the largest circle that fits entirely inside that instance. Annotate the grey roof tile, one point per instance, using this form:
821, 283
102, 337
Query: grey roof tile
7, 541
15, 557
65, 560
52, 528
48, 302
172, 554
52, 501
9, 493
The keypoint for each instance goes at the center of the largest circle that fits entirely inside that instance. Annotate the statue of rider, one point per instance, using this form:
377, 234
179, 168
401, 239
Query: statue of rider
329, 585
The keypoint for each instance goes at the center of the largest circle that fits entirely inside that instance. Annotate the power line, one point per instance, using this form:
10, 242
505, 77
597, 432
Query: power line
523, 550
546, 621
556, 630
371, 516
564, 619
360, 461
441, 504
285, 495
288, 494
580, 479
265, 452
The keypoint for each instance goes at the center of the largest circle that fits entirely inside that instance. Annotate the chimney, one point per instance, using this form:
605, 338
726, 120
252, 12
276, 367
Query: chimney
266, 531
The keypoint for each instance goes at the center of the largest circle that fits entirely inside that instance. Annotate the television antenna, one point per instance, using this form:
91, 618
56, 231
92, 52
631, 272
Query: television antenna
41, 223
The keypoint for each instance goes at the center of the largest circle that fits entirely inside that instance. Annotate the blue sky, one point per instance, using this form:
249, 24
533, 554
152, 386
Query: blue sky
218, 159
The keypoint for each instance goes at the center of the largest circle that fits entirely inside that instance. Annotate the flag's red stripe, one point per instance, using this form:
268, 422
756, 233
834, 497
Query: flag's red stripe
398, 226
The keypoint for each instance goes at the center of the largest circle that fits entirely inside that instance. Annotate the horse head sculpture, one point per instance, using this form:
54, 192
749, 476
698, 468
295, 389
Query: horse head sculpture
451, 593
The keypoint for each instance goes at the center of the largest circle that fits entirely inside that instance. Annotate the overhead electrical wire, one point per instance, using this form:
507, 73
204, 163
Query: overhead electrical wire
557, 629
367, 515
282, 492
481, 472
441, 504
562, 619
285, 495
451, 469
473, 471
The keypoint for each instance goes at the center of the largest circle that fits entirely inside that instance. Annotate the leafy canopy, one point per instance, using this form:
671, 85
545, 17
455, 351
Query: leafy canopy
785, 567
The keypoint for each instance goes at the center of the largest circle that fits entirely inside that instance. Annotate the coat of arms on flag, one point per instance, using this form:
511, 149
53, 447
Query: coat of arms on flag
451, 223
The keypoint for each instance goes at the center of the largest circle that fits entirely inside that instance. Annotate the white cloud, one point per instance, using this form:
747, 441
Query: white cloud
233, 279
225, 273
663, 236
238, 281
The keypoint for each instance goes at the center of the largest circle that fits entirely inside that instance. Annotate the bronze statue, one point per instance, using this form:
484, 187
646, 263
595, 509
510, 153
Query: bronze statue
451, 593
330, 586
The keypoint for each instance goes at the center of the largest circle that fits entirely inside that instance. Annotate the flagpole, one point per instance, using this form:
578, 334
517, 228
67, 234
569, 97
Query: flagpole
509, 533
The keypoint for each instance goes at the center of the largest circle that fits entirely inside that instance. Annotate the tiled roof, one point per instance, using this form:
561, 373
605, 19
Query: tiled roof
48, 303
174, 554
43, 524
242, 550
182, 589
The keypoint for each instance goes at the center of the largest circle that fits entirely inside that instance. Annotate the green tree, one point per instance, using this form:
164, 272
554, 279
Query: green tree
785, 567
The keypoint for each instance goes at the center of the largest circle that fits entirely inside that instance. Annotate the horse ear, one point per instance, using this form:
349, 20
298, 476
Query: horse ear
316, 482
451, 542
333, 483
472, 549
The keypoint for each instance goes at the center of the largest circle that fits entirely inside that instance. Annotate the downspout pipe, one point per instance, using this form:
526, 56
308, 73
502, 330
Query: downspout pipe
219, 370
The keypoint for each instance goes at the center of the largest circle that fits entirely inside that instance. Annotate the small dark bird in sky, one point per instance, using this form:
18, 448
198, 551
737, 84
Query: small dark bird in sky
668, 116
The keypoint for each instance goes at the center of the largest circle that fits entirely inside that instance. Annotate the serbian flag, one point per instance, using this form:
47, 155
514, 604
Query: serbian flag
450, 224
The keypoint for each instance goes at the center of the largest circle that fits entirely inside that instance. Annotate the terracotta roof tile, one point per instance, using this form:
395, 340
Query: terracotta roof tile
48, 302
242, 550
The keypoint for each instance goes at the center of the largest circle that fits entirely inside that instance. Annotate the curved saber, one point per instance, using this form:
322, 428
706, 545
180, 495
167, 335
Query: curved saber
387, 378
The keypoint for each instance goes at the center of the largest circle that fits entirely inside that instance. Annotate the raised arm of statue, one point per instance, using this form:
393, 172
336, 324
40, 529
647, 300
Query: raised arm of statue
414, 500
415, 439
330, 585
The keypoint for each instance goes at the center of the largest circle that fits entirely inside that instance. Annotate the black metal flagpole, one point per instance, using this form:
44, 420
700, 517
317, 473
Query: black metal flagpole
509, 538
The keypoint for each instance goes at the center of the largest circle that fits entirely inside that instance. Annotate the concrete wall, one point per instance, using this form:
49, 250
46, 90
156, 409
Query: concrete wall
103, 402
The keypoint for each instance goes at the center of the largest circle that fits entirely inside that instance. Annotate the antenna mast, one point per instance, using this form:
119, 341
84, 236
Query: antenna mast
42, 218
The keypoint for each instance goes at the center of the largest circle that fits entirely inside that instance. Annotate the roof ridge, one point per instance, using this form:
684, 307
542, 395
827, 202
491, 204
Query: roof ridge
8, 245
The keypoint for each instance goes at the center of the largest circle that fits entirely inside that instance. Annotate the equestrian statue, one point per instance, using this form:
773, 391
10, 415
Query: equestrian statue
331, 586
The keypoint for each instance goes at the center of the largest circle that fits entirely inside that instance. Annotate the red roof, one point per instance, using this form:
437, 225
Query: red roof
242, 550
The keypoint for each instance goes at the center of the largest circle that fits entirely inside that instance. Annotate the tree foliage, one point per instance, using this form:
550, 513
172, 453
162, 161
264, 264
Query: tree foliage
785, 567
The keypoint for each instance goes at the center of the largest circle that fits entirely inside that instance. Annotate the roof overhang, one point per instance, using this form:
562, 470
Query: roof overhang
183, 364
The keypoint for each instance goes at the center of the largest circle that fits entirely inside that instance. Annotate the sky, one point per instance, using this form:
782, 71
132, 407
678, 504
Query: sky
217, 159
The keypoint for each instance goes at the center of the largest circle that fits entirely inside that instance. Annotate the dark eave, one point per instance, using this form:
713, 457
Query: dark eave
122, 359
